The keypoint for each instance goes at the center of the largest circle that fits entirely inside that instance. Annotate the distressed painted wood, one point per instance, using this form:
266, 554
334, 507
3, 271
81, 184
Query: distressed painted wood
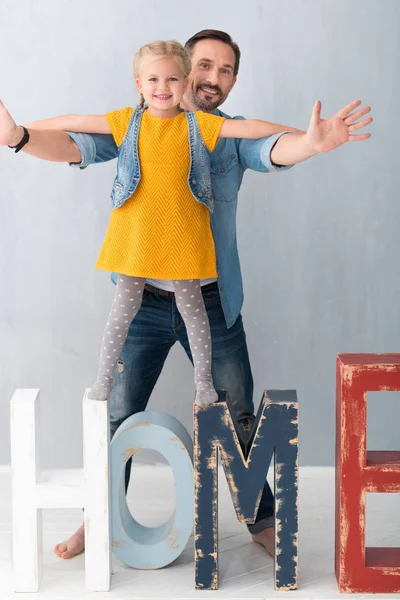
34, 489
152, 547
275, 432
360, 569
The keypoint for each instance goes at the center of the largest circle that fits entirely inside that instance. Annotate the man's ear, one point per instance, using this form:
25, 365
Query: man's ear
233, 83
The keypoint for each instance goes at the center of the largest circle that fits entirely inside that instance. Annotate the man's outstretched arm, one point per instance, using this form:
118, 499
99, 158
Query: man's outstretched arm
323, 135
79, 149
56, 146
48, 145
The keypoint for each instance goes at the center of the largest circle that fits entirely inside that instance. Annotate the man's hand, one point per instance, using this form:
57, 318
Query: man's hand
48, 145
324, 135
10, 133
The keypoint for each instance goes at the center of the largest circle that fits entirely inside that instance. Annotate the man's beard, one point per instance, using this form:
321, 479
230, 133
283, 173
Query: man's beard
209, 104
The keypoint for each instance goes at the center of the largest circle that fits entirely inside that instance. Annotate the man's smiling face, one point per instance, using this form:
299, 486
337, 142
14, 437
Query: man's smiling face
212, 76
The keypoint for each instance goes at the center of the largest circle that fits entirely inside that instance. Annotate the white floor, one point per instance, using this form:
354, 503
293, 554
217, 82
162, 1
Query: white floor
245, 570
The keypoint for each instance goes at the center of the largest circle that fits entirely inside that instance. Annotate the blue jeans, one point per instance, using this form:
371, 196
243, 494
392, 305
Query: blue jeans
153, 332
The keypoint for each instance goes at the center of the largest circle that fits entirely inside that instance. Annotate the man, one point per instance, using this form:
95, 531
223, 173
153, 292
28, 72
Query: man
158, 325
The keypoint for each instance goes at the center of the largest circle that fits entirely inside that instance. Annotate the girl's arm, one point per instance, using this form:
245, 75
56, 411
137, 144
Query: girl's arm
76, 123
252, 129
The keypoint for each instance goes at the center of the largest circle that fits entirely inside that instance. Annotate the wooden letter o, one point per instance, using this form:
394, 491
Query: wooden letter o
152, 547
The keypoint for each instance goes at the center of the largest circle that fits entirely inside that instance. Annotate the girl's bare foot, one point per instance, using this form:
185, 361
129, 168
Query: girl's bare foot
73, 546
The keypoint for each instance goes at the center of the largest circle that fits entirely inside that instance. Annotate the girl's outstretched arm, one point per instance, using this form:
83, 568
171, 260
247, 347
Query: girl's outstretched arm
252, 129
76, 123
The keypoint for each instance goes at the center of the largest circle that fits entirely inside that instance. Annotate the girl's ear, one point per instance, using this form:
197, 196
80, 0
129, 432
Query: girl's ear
185, 84
138, 84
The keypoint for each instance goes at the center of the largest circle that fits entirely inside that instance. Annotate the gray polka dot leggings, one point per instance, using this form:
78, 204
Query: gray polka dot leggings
127, 301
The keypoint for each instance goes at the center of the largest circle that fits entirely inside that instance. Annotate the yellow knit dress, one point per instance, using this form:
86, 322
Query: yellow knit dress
161, 231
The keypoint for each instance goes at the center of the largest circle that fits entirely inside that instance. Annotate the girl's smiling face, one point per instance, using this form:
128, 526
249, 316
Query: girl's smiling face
162, 84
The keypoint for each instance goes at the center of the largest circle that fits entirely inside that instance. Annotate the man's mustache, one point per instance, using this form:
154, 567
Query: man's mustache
215, 88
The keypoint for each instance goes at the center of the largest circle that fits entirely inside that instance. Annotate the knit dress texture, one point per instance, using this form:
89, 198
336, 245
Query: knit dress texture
161, 231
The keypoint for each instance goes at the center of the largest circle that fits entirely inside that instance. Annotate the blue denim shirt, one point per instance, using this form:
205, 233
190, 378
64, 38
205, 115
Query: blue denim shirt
128, 168
228, 163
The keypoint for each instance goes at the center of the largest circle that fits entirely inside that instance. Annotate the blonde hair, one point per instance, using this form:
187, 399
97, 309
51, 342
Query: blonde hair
161, 49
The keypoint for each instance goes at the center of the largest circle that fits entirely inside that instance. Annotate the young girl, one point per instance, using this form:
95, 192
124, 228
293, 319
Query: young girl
160, 225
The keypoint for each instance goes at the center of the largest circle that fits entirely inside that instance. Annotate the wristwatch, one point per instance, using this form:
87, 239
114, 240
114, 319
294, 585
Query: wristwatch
21, 144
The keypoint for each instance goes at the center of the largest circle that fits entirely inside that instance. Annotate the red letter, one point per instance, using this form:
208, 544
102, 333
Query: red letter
361, 569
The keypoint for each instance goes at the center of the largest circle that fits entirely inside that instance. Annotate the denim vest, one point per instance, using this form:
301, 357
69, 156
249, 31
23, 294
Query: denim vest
128, 168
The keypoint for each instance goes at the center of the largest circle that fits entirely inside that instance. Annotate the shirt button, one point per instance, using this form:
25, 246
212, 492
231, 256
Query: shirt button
200, 195
222, 170
221, 289
194, 181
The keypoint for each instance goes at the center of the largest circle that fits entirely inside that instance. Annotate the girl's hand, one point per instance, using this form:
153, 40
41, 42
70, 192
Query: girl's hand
10, 133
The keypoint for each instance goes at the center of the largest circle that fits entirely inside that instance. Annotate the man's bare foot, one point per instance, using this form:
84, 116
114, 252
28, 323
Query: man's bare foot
73, 546
266, 538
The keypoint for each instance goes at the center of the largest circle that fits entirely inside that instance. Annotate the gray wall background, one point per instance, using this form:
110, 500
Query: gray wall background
319, 244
